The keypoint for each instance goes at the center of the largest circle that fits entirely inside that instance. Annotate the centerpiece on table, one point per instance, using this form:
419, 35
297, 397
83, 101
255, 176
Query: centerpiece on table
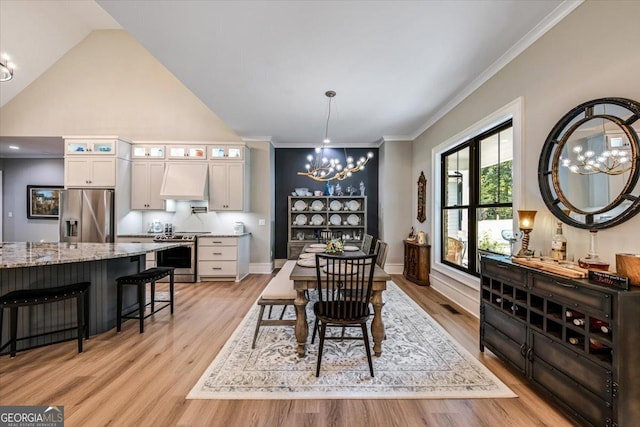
335, 247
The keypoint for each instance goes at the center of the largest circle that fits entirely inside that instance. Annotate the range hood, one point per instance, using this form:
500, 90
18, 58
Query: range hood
185, 181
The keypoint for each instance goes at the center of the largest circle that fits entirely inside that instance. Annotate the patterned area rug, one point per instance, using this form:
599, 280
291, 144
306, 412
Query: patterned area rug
419, 360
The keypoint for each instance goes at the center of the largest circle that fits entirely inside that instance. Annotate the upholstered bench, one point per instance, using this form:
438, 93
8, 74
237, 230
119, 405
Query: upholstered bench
31, 297
279, 291
140, 280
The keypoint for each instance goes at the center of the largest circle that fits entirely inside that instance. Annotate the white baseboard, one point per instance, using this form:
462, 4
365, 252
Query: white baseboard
394, 268
261, 268
462, 295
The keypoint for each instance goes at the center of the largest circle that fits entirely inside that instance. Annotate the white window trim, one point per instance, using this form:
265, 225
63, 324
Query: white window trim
513, 111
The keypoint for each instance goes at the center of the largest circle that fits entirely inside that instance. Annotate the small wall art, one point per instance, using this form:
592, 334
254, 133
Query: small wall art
422, 195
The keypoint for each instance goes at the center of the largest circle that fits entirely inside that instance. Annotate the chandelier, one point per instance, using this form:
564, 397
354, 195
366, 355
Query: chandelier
610, 162
6, 68
615, 157
320, 168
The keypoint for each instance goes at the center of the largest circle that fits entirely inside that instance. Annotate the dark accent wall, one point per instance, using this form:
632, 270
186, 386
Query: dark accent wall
288, 161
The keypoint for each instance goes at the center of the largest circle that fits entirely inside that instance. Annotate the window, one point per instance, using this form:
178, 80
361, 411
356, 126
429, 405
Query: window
476, 194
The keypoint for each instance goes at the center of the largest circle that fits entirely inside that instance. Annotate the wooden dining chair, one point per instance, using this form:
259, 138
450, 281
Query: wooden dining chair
381, 251
333, 309
367, 241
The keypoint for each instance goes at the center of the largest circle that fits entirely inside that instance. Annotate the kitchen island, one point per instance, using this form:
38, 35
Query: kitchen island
27, 265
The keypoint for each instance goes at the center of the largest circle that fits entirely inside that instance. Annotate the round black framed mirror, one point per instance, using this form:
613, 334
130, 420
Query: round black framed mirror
590, 164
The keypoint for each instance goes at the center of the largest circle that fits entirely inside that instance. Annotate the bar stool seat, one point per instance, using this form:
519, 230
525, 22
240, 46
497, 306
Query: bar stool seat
31, 297
140, 280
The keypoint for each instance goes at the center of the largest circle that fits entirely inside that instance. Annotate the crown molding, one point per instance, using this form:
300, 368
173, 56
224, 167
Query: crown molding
258, 138
400, 138
375, 144
557, 15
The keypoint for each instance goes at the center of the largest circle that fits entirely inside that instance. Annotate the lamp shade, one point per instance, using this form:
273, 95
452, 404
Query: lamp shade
525, 219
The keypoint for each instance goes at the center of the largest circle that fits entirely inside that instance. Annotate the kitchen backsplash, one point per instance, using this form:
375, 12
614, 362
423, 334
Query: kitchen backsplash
184, 220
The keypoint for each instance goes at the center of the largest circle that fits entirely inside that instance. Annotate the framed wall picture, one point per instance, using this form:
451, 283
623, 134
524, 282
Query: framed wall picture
422, 195
43, 201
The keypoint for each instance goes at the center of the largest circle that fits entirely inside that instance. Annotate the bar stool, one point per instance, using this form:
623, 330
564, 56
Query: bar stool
31, 297
140, 280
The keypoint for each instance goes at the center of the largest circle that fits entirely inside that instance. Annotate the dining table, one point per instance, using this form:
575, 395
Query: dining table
304, 279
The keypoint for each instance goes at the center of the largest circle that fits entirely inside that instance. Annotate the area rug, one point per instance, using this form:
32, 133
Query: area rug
419, 360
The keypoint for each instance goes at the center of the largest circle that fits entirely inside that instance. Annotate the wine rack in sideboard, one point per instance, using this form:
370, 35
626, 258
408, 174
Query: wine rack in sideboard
308, 215
576, 341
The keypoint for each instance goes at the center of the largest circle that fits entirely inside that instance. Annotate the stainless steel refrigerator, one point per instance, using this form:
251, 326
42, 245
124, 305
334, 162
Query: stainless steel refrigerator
87, 215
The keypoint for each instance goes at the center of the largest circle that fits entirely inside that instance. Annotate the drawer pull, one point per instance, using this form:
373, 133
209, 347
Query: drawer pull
216, 268
502, 266
565, 285
217, 253
523, 350
530, 354
216, 241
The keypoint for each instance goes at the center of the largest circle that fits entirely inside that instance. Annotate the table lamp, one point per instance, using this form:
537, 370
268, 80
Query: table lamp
525, 222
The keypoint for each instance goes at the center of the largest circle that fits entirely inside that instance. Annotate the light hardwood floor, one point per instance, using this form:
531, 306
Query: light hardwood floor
132, 379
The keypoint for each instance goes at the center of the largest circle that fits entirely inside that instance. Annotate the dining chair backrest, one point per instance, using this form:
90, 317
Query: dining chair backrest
366, 244
381, 251
344, 286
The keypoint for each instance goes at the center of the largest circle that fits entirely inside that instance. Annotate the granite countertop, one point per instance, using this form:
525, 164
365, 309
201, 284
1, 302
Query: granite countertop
179, 233
29, 254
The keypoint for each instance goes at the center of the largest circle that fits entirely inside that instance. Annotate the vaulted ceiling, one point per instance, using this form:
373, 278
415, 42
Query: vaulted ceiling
263, 67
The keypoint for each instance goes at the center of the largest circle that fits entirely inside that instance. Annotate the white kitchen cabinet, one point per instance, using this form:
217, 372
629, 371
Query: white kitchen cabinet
144, 151
226, 152
90, 172
84, 147
187, 152
223, 258
227, 184
100, 161
146, 181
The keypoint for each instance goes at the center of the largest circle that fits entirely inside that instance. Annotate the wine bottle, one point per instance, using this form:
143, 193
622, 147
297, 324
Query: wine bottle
514, 308
559, 244
568, 314
596, 346
498, 300
578, 341
600, 325
579, 321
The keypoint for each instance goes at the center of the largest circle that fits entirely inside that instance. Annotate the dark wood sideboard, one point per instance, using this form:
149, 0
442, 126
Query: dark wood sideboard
416, 262
527, 320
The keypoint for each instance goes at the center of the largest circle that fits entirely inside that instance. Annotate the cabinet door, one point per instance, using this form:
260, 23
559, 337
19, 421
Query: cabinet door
103, 173
235, 186
217, 187
139, 185
90, 147
146, 180
147, 151
77, 172
187, 152
156, 173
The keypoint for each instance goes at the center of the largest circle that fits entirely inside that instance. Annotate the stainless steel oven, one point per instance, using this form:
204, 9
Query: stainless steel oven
182, 258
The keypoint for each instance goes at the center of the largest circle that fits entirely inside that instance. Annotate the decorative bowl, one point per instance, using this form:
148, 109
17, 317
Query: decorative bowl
302, 191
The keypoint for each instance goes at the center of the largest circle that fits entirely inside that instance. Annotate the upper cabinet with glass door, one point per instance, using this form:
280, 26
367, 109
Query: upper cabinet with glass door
148, 151
187, 152
99, 146
229, 152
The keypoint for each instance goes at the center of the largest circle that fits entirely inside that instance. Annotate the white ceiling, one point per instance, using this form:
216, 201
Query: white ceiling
263, 66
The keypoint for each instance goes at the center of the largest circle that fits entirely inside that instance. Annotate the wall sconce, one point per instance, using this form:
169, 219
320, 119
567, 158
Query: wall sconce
525, 222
